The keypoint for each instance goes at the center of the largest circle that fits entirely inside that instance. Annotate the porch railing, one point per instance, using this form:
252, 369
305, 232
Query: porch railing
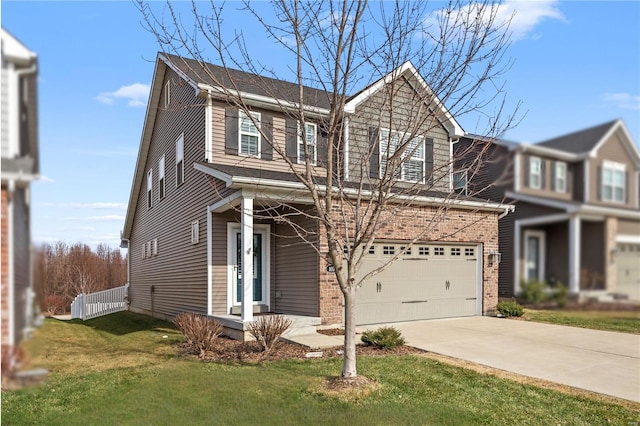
93, 305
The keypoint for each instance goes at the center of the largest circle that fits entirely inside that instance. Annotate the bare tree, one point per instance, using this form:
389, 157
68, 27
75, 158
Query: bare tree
341, 47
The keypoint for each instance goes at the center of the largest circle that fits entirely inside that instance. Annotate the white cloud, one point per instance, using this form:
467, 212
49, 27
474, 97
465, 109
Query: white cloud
136, 95
525, 16
46, 179
103, 218
623, 100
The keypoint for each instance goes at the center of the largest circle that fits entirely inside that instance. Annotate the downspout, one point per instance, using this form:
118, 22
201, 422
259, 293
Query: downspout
345, 131
507, 210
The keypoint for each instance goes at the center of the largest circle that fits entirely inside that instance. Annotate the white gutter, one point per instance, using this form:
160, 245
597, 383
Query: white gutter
561, 155
10, 260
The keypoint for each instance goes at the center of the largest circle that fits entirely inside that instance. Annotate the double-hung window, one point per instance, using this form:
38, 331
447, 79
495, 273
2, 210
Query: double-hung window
411, 165
560, 171
309, 135
613, 185
460, 181
149, 188
249, 143
161, 186
180, 160
535, 172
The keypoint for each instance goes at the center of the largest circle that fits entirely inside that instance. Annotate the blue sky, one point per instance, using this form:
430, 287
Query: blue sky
576, 64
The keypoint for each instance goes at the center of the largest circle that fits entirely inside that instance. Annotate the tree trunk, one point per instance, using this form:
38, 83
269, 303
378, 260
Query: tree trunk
349, 364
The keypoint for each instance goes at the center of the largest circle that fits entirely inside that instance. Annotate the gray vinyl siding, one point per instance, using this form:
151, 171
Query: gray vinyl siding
296, 271
179, 271
578, 193
546, 190
397, 107
489, 168
4, 109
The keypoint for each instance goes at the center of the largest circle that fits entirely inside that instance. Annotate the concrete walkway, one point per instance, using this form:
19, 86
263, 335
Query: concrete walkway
599, 361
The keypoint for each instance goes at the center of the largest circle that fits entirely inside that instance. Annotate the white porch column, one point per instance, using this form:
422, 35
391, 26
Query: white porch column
574, 254
247, 258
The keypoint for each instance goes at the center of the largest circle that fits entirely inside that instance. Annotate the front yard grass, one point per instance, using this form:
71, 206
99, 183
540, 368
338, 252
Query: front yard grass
121, 369
621, 321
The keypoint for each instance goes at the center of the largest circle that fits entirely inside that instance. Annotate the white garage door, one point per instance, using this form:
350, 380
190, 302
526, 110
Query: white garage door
430, 281
628, 260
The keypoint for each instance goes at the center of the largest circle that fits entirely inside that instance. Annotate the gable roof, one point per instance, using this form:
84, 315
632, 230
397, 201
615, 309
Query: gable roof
581, 141
206, 76
453, 128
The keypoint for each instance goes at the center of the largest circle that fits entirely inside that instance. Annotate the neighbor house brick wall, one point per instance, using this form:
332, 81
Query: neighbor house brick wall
433, 224
610, 264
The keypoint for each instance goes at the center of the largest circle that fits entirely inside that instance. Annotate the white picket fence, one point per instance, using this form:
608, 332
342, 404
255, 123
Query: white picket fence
87, 306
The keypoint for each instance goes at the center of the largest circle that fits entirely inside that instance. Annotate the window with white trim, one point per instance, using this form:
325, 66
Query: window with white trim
144, 250
412, 163
161, 187
149, 188
310, 136
460, 181
167, 93
560, 171
180, 160
535, 172
195, 232
249, 135
154, 247
613, 185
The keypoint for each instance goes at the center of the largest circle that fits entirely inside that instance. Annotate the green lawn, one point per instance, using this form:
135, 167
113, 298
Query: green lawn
121, 369
621, 321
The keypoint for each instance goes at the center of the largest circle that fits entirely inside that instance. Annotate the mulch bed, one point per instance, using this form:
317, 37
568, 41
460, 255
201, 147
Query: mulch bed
229, 350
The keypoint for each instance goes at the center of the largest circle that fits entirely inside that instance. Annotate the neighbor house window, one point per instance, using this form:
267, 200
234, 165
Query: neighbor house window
154, 247
535, 172
180, 160
560, 176
149, 188
412, 164
161, 177
249, 135
195, 232
613, 182
310, 137
460, 181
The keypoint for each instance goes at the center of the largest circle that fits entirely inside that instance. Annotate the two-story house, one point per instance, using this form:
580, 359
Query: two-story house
577, 217
19, 168
205, 171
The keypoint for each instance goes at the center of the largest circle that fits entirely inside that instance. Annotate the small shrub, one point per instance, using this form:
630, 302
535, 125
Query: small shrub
54, 305
534, 291
510, 308
560, 294
199, 331
383, 338
268, 329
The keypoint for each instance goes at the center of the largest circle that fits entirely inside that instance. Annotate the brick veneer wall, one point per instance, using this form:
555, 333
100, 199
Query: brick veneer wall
4, 266
454, 225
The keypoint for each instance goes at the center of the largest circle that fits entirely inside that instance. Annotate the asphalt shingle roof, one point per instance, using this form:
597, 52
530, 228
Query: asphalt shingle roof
581, 141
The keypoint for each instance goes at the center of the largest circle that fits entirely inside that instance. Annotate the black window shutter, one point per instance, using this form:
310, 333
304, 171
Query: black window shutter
266, 147
374, 144
291, 139
322, 147
553, 175
527, 169
428, 159
231, 131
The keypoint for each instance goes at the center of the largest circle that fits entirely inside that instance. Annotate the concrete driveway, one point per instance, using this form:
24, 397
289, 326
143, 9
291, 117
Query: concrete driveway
599, 361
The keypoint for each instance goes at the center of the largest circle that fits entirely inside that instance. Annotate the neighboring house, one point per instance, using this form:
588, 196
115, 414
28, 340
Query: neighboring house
203, 169
19, 168
577, 217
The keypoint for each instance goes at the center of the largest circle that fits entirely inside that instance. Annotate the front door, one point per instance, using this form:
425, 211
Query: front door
534, 255
259, 269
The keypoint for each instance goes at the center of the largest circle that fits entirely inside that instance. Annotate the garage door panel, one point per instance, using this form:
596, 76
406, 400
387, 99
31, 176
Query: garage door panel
628, 270
438, 285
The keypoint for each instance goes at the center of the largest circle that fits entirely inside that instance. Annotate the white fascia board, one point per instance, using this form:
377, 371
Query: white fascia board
145, 142
260, 100
555, 153
264, 184
628, 239
19, 178
542, 201
226, 203
609, 211
178, 71
227, 179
